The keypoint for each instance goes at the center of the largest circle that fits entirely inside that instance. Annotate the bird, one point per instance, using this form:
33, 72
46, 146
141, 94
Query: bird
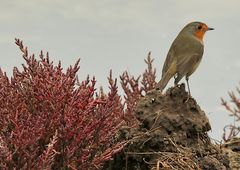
184, 55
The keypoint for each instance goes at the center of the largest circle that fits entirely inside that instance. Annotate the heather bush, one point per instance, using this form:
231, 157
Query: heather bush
134, 88
48, 119
51, 120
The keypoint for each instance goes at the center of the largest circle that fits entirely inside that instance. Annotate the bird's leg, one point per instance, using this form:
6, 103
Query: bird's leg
187, 78
175, 80
189, 92
175, 76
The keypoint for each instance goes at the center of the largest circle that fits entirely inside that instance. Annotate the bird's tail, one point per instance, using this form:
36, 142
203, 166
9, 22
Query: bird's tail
164, 81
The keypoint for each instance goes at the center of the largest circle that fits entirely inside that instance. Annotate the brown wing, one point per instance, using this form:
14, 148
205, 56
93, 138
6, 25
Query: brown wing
179, 46
168, 61
183, 58
189, 56
187, 64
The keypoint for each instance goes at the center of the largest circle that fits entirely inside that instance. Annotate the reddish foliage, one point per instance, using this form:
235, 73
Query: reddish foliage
50, 120
232, 130
133, 89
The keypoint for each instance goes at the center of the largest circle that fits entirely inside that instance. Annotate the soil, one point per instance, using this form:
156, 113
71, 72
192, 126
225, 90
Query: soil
232, 149
172, 134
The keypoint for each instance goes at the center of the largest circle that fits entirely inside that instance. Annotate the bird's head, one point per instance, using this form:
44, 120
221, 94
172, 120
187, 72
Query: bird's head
198, 29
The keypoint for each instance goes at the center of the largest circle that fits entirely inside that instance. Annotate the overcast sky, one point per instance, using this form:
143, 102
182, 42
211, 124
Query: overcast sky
118, 34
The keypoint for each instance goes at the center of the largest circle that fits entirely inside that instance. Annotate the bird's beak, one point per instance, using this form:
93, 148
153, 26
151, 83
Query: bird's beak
209, 29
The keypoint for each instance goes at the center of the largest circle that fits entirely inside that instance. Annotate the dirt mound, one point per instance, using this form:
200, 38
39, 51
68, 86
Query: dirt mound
232, 149
172, 135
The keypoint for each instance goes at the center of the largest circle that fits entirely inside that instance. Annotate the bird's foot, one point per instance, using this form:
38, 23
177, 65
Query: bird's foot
181, 86
189, 96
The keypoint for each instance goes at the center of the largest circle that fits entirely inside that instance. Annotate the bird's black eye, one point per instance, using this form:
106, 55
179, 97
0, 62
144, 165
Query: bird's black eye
199, 27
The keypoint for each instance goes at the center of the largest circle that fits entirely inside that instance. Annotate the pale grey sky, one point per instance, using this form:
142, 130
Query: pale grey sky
117, 34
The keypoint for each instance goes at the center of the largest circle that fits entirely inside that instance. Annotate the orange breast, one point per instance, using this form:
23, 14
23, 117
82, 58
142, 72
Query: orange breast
199, 34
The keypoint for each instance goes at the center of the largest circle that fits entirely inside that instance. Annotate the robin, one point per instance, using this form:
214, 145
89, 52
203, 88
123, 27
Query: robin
185, 54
